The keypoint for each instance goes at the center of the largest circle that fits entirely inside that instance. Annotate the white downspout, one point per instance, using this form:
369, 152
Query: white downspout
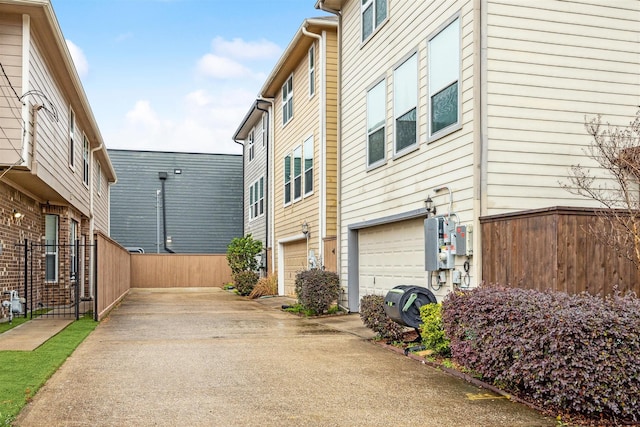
92, 220
323, 142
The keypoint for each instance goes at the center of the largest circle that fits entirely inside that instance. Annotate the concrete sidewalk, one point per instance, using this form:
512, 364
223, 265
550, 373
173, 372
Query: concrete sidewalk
205, 357
32, 334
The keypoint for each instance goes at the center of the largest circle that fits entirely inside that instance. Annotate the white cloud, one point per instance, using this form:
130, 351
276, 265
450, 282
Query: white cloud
250, 50
143, 114
219, 67
79, 60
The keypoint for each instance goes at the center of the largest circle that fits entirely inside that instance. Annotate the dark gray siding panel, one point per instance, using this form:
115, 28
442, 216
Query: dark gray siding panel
203, 202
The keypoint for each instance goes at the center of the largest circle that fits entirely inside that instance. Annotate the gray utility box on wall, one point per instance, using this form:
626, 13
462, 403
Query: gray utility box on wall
443, 240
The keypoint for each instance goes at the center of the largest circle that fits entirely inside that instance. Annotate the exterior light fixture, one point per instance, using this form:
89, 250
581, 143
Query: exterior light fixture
17, 215
428, 204
305, 229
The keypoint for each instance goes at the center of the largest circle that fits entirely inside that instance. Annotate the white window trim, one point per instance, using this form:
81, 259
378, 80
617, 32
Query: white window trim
293, 170
254, 188
312, 71
251, 145
72, 139
284, 183
86, 152
265, 119
99, 178
287, 101
306, 193
458, 125
398, 114
54, 251
364, 40
382, 161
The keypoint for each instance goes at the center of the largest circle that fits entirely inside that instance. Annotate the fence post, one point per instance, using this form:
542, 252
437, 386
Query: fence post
26, 269
95, 277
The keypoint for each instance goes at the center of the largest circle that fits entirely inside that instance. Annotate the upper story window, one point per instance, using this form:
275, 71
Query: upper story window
85, 160
72, 131
374, 12
256, 199
287, 179
444, 73
312, 71
297, 173
99, 178
287, 100
308, 166
250, 146
405, 103
51, 248
376, 112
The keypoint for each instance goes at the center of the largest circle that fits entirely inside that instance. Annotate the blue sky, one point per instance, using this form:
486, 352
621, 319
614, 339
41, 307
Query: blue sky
176, 75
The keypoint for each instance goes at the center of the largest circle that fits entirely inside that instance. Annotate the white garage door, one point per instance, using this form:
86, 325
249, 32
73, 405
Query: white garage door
295, 260
391, 255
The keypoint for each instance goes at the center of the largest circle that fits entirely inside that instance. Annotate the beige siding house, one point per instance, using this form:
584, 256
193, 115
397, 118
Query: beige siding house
302, 89
477, 105
55, 173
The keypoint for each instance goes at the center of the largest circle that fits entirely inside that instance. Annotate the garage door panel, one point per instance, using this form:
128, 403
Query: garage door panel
391, 255
295, 260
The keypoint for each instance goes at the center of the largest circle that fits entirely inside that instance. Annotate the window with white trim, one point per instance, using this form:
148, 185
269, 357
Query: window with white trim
308, 165
73, 255
250, 146
312, 71
72, 131
85, 160
287, 179
444, 73
297, 173
51, 248
405, 103
376, 116
373, 13
287, 100
265, 128
256, 202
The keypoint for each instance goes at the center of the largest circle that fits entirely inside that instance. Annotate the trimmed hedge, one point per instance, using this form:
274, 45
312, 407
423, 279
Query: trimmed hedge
575, 353
245, 281
375, 318
432, 331
317, 289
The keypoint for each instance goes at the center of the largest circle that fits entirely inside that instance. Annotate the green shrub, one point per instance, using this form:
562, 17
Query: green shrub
317, 290
241, 254
245, 281
431, 330
571, 353
374, 317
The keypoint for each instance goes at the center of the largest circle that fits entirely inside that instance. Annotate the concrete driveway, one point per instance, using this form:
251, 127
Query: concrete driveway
205, 357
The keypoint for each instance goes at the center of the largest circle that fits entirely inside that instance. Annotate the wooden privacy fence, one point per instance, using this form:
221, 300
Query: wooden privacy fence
551, 249
179, 270
113, 274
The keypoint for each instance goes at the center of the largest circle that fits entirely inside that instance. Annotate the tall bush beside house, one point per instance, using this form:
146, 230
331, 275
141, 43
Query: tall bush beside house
245, 281
576, 353
374, 317
317, 289
241, 254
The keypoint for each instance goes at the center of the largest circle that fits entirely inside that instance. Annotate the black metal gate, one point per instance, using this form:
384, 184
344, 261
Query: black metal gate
59, 280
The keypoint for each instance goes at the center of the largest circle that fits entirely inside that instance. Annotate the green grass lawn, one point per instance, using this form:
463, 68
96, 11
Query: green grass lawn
24, 372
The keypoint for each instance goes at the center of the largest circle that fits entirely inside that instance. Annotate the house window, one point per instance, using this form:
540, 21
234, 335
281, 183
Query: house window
405, 102
51, 248
312, 71
99, 178
85, 160
376, 101
297, 173
73, 255
256, 201
308, 166
287, 100
287, 179
72, 130
374, 12
444, 72
250, 146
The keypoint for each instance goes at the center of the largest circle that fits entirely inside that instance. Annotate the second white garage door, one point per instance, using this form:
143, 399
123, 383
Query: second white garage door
295, 260
391, 255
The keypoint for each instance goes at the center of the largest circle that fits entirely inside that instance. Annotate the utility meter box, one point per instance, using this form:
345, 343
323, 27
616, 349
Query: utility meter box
439, 241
